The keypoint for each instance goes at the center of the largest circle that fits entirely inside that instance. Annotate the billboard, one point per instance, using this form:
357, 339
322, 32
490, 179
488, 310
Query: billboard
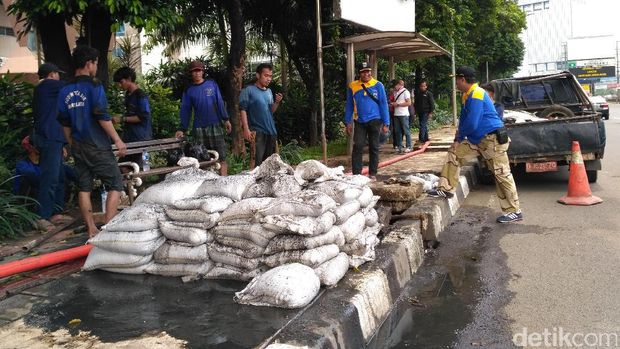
384, 15
593, 72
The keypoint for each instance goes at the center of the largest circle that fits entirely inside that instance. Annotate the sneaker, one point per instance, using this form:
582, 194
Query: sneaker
407, 150
510, 217
438, 193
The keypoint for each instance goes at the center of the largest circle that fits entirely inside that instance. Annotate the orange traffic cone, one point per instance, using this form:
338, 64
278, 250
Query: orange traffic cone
579, 192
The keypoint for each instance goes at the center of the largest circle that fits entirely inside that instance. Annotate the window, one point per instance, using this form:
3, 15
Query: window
551, 66
527, 8
7, 31
121, 30
538, 6
540, 67
546, 5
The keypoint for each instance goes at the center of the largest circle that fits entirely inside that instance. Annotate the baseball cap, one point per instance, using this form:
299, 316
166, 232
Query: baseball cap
46, 68
363, 66
465, 71
196, 65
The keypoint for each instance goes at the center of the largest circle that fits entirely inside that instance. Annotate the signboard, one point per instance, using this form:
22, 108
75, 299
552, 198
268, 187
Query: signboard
384, 15
593, 72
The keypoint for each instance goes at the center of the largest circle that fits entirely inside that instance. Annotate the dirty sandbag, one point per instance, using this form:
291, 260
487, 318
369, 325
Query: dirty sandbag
250, 249
333, 270
285, 184
228, 272
189, 235
231, 256
353, 227
312, 258
188, 161
99, 258
357, 180
346, 210
245, 209
297, 242
139, 217
300, 225
141, 269
314, 171
260, 189
180, 253
371, 205
199, 225
305, 203
271, 167
190, 173
366, 197
230, 186
179, 269
188, 204
288, 286
371, 217
341, 192
196, 216
362, 244
171, 190
216, 204
136, 242
428, 180
253, 232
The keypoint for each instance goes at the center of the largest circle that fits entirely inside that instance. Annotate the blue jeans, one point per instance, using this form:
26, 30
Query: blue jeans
401, 126
51, 196
423, 135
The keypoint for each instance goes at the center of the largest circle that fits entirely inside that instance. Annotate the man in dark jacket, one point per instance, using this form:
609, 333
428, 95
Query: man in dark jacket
424, 107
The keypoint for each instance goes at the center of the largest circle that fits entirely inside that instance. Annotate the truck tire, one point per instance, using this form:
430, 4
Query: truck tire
556, 111
592, 175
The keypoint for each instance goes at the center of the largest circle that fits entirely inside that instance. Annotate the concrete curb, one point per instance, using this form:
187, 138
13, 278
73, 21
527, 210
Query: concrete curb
349, 315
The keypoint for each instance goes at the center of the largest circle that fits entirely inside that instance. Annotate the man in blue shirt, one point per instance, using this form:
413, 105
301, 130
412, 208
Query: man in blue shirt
366, 106
211, 123
88, 128
480, 132
257, 105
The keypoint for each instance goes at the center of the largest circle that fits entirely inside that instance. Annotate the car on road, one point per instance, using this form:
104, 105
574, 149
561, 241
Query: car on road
600, 106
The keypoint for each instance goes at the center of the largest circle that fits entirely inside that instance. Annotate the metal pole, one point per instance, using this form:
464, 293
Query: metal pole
350, 77
319, 56
454, 121
487, 63
617, 68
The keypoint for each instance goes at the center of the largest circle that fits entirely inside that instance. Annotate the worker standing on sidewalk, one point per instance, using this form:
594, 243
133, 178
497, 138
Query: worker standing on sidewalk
480, 132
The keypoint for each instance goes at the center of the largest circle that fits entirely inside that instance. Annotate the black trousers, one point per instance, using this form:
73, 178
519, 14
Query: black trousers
362, 132
265, 147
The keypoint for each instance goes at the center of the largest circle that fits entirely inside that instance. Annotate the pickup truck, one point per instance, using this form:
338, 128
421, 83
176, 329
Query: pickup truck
543, 116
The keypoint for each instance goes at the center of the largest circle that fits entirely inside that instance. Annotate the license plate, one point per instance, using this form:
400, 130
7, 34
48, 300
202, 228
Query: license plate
541, 166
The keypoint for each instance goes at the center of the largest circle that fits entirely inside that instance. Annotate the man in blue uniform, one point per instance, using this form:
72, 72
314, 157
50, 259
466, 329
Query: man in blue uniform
88, 128
367, 107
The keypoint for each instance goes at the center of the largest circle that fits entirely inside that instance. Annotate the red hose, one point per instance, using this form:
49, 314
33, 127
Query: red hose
42, 261
399, 158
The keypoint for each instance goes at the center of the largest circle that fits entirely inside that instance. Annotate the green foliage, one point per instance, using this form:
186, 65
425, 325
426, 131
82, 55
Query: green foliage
291, 153
116, 99
164, 110
237, 163
16, 214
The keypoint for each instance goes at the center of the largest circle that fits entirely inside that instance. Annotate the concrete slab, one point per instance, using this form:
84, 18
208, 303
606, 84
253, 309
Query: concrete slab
17, 306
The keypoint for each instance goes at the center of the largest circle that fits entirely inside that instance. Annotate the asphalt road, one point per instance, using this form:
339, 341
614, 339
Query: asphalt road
549, 281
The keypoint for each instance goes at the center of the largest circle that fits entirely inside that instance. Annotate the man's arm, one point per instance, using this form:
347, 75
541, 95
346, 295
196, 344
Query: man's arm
431, 100
67, 131
244, 123
144, 112
276, 103
383, 105
348, 107
469, 123
186, 111
107, 126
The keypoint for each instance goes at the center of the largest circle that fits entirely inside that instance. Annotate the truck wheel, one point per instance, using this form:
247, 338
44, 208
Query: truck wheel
556, 111
592, 175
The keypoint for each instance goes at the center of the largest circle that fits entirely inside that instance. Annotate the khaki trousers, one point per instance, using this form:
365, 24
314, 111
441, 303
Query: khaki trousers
497, 161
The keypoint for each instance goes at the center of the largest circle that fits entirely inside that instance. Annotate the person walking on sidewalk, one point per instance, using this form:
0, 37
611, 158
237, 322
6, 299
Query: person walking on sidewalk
480, 132
401, 103
367, 107
424, 107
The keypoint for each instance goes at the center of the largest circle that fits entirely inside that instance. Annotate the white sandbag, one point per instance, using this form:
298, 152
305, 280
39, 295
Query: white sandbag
191, 173
285, 184
180, 253
297, 242
312, 258
353, 227
188, 161
196, 216
305, 203
359, 180
141, 269
99, 258
174, 188
139, 217
199, 225
300, 225
137, 242
230, 186
346, 210
288, 286
367, 239
272, 166
341, 192
260, 189
179, 269
333, 270
253, 232
314, 171
188, 204
190, 235
231, 256
366, 197
427, 180
371, 217
228, 272
250, 249
216, 204
245, 209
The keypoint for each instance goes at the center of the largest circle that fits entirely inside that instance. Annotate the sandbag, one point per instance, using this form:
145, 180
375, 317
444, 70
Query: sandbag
139, 217
285, 184
179, 253
179, 269
199, 225
353, 227
99, 258
260, 189
191, 173
228, 272
209, 204
253, 232
196, 216
305, 203
245, 209
314, 171
312, 258
365, 197
367, 239
231, 256
288, 286
230, 186
358, 180
333, 270
141, 269
341, 192
346, 210
190, 235
188, 204
250, 249
173, 189
296, 242
271, 167
300, 225
138, 242
371, 217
